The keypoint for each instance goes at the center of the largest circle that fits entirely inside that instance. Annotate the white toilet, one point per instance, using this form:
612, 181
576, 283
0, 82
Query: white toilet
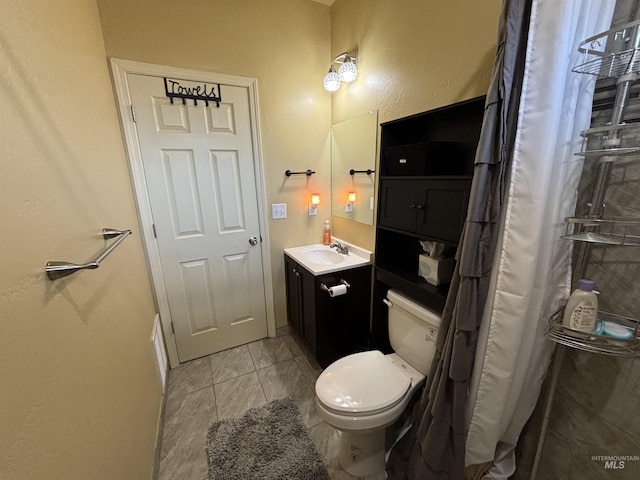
362, 394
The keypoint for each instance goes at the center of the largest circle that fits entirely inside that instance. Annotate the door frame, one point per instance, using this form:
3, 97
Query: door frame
120, 68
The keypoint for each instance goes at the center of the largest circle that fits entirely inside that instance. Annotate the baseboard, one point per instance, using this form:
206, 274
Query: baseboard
159, 433
162, 362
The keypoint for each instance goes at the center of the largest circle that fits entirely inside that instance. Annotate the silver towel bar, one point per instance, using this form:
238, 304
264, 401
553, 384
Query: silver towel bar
57, 270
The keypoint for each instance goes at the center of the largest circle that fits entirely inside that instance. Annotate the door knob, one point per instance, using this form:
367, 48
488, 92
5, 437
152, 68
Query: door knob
253, 241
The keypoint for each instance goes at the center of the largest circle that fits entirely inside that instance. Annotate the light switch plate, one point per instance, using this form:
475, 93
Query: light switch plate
278, 210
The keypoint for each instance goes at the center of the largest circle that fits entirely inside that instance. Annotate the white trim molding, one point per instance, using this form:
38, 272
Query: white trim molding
157, 339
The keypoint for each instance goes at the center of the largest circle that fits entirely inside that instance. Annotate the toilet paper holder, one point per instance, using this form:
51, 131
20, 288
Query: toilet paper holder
342, 282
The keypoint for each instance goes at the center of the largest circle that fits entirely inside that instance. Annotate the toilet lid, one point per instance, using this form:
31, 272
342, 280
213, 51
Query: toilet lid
362, 382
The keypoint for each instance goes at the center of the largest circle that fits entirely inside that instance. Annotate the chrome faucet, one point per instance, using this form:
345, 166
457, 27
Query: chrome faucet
344, 249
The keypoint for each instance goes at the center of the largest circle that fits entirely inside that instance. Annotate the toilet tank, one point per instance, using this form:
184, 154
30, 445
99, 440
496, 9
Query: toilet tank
412, 331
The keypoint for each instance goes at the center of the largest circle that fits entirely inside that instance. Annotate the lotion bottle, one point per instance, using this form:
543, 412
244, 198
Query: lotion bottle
326, 235
581, 311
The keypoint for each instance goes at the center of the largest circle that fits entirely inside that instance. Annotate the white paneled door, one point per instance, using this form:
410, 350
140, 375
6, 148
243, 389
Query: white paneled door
199, 168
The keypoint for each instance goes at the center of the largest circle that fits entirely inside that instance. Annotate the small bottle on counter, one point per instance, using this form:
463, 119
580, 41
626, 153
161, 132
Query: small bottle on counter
326, 235
581, 311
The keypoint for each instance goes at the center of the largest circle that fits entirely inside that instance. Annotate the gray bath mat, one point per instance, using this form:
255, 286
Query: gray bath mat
266, 443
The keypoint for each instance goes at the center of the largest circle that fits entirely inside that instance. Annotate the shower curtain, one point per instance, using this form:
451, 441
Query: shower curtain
513, 269
531, 277
434, 447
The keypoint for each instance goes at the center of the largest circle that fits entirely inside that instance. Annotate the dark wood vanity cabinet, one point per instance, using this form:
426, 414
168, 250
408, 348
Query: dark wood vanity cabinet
426, 168
331, 327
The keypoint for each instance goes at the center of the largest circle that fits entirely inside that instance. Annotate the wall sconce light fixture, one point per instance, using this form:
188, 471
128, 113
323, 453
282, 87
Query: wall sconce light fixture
314, 201
351, 200
347, 72
332, 81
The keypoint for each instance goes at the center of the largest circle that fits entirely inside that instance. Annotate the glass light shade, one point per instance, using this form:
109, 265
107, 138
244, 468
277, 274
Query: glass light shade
332, 80
351, 196
315, 199
348, 71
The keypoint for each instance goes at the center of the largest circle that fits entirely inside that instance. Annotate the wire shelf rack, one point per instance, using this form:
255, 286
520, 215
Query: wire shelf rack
610, 152
613, 65
633, 128
605, 231
594, 343
600, 57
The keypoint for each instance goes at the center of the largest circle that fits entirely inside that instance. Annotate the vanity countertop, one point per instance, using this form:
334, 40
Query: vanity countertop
320, 259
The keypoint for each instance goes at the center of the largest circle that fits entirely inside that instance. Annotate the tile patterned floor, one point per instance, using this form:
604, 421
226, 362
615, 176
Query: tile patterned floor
228, 383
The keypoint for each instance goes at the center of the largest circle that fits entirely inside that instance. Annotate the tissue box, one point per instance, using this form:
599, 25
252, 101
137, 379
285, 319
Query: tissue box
435, 271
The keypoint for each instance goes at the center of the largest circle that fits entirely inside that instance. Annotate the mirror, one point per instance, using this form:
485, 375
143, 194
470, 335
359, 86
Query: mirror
353, 160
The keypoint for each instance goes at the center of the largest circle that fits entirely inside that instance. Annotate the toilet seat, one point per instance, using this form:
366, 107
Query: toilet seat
353, 415
362, 394
362, 384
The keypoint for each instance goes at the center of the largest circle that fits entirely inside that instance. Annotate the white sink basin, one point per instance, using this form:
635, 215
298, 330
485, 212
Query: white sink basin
320, 259
323, 256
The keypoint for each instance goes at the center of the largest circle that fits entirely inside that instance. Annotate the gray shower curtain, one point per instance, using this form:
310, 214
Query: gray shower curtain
434, 447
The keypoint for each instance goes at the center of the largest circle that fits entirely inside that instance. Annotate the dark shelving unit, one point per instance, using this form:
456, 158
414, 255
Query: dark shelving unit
426, 167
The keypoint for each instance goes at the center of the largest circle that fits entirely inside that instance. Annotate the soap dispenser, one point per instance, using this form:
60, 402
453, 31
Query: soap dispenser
326, 235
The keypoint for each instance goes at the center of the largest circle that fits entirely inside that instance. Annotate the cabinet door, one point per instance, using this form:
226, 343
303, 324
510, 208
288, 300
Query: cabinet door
342, 322
398, 206
444, 208
308, 309
292, 276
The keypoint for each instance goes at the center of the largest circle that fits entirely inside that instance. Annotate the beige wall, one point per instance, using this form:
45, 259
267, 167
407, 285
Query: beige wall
79, 395
282, 43
413, 55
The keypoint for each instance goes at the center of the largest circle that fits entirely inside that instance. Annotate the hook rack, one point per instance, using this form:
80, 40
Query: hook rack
308, 173
368, 171
57, 270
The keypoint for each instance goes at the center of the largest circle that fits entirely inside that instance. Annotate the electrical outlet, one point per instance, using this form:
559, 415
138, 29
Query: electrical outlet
278, 210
